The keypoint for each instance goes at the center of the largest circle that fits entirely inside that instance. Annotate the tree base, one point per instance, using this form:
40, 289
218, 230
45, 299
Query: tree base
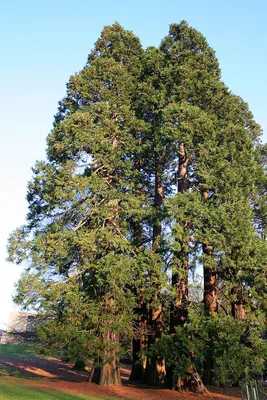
191, 382
136, 373
208, 374
79, 365
155, 373
194, 383
108, 374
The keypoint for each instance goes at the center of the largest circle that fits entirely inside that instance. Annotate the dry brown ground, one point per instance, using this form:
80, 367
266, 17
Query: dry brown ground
52, 374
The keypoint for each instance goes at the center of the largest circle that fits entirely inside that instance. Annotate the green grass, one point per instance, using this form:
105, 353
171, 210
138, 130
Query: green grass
12, 391
13, 353
15, 389
16, 351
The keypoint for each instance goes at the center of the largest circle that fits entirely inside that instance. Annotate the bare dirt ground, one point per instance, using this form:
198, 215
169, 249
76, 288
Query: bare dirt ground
52, 374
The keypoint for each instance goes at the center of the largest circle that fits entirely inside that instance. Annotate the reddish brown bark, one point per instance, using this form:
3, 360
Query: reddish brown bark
210, 289
140, 340
239, 312
158, 201
179, 313
108, 374
183, 166
107, 371
155, 368
179, 309
191, 382
210, 307
140, 337
79, 365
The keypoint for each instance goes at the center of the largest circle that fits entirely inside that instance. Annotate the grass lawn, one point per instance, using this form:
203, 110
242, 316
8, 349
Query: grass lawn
15, 351
16, 388
13, 355
15, 391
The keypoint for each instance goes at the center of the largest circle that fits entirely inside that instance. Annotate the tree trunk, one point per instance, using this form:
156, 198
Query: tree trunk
79, 365
210, 289
158, 201
137, 367
108, 374
239, 312
179, 309
155, 372
210, 307
140, 341
155, 368
191, 382
107, 370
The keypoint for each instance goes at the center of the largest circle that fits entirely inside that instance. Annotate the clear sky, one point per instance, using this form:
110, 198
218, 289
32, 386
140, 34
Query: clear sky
43, 43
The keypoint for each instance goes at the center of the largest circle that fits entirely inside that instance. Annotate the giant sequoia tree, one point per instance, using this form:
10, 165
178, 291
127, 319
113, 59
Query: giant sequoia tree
153, 168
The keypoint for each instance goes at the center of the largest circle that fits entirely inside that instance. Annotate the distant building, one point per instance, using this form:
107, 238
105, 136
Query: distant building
21, 328
20, 322
1, 333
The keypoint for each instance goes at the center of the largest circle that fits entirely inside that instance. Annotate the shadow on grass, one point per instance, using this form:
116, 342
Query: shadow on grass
14, 392
17, 351
21, 361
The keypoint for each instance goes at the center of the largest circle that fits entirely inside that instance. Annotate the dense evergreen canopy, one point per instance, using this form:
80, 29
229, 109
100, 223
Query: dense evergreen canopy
154, 173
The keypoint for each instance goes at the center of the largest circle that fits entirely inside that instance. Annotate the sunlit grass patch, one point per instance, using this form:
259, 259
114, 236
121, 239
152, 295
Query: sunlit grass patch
10, 390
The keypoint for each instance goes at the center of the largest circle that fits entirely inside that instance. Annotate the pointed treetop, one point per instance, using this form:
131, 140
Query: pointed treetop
183, 39
117, 43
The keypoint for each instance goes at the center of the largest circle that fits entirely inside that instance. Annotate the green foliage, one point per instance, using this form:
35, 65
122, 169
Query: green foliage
177, 350
238, 348
112, 215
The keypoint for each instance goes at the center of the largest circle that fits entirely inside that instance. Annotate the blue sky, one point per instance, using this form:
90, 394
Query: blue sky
43, 43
